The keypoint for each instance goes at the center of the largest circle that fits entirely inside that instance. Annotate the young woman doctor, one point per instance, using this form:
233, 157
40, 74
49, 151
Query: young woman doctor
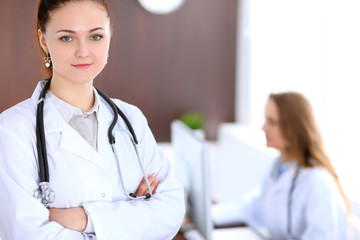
302, 198
88, 177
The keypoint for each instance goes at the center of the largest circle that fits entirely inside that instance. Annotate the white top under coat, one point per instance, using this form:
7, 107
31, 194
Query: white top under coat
85, 124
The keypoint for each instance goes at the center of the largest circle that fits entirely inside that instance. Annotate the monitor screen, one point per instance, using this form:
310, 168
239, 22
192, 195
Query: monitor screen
193, 170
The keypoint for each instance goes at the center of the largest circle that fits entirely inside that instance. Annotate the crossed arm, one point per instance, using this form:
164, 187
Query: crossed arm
76, 218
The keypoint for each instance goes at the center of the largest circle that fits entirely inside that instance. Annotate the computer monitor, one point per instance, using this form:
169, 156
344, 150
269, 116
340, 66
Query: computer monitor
193, 170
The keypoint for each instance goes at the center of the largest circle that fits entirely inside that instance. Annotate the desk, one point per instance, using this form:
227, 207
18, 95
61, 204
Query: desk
234, 233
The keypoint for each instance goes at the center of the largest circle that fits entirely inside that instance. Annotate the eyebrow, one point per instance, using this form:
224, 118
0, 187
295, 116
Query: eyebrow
71, 31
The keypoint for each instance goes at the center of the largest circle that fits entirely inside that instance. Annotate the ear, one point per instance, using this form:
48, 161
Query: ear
42, 41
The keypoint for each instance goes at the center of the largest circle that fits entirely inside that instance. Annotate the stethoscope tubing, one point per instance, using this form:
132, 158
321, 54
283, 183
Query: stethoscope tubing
290, 194
44, 192
116, 109
291, 191
131, 195
40, 134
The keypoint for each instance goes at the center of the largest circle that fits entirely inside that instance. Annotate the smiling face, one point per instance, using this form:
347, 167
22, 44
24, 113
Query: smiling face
78, 39
274, 136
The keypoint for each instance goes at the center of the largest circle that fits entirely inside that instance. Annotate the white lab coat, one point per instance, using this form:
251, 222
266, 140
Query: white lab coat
318, 209
80, 176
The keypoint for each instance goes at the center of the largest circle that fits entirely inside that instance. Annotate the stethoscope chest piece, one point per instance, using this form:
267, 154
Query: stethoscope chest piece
44, 194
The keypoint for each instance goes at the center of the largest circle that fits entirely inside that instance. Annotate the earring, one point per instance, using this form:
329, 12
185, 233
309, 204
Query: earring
47, 60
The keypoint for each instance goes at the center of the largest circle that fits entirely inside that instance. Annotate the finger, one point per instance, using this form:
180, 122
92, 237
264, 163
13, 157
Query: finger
152, 178
153, 186
142, 188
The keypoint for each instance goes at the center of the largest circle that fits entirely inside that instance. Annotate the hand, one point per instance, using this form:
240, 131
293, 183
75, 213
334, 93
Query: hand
71, 218
143, 189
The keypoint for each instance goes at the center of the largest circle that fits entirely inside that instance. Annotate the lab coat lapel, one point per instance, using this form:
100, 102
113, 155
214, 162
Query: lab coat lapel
105, 118
69, 140
125, 149
72, 141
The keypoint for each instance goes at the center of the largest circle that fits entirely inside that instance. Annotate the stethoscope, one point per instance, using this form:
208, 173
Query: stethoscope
44, 193
290, 196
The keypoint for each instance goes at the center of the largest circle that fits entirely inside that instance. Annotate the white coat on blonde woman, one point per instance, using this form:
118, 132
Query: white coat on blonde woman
81, 176
318, 211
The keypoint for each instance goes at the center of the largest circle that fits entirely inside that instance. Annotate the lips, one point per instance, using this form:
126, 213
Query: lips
82, 65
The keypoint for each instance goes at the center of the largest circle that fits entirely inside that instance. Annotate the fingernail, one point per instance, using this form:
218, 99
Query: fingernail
157, 180
153, 174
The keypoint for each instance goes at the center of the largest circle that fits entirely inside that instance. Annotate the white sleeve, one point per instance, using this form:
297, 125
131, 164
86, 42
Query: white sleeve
89, 227
21, 215
326, 216
157, 218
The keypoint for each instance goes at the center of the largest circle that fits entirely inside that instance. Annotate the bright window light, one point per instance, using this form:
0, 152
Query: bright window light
312, 47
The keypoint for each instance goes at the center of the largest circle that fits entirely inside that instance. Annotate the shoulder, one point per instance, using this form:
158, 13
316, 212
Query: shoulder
319, 181
19, 116
317, 174
17, 138
132, 112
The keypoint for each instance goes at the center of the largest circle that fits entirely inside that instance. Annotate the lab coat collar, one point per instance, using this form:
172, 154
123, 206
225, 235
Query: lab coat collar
284, 181
106, 116
52, 120
289, 166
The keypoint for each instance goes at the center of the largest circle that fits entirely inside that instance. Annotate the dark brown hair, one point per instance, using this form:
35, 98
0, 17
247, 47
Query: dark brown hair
299, 128
45, 8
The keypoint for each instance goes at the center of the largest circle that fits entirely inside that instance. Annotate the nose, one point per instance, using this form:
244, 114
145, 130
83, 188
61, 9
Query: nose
264, 127
82, 50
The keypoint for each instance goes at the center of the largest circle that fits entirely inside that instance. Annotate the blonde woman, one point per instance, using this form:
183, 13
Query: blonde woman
302, 198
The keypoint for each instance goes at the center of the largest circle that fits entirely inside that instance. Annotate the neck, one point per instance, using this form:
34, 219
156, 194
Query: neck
79, 95
285, 156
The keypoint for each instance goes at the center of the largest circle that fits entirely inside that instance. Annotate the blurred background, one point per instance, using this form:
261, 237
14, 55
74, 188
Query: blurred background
218, 58
164, 64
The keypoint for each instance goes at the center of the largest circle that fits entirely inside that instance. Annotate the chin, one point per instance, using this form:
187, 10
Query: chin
83, 78
272, 146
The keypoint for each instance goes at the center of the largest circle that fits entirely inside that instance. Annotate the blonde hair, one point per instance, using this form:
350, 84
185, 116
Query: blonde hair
298, 126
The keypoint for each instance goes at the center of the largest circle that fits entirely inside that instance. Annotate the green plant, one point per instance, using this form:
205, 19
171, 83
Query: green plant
193, 120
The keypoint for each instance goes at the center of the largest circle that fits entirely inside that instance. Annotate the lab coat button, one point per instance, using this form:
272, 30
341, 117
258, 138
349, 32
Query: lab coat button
103, 195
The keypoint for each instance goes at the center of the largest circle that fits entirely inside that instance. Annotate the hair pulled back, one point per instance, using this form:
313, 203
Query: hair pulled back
45, 8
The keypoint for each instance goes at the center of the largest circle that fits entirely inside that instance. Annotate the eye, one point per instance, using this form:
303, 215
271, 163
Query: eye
271, 122
66, 39
96, 37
